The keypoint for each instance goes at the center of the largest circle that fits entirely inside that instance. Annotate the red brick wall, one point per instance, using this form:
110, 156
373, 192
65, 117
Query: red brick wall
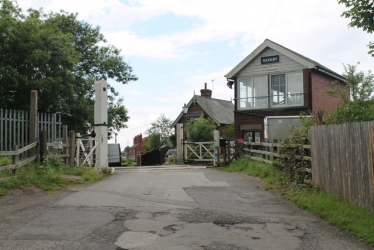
248, 119
321, 100
138, 148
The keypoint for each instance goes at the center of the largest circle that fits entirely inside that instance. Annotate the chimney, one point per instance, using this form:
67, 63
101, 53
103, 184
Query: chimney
207, 93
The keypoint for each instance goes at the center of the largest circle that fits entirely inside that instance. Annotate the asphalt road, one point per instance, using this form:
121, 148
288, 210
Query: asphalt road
157, 208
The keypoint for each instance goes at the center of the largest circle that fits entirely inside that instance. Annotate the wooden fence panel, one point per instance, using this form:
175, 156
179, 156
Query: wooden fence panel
343, 161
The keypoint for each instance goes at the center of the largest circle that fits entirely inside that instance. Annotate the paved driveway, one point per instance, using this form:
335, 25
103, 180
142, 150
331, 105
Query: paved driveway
173, 208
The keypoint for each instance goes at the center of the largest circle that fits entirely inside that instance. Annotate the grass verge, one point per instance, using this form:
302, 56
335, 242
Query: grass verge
354, 219
49, 176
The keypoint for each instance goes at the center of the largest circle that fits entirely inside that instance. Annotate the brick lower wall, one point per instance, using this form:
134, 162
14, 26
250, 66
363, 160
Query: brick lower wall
320, 99
248, 119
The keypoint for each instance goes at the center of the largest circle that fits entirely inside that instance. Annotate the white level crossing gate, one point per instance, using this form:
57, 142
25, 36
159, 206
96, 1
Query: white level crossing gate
85, 152
199, 151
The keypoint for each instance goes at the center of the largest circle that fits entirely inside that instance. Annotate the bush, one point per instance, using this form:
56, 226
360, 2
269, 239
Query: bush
293, 164
128, 162
200, 130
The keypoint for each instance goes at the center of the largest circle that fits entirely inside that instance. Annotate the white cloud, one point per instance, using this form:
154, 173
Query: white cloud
133, 45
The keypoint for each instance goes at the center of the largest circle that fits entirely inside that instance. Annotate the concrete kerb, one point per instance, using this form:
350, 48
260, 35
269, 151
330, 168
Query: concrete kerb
166, 167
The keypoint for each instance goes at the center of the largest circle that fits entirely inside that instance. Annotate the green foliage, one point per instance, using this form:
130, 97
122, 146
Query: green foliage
292, 162
50, 176
161, 128
356, 220
229, 132
153, 142
130, 162
172, 141
5, 161
60, 56
352, 112
255, 168
200, 130
361, 107
362, 16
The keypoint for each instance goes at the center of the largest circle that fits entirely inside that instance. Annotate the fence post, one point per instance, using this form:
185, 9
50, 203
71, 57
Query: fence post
64, 141
71, 147
275, 149
33, 127
43, 144
15, 159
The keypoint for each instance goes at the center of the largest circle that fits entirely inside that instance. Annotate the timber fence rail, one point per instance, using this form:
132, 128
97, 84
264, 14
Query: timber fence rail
15, 157
269, 151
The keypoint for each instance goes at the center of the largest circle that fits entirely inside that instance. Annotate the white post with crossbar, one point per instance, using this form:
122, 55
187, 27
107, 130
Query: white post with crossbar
101, 123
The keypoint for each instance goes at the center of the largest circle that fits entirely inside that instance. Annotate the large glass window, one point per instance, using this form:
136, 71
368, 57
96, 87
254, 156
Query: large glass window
287, 89
253, 93
258, 93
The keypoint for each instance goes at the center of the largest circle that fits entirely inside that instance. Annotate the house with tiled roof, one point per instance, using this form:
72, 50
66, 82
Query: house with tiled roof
273, 85
220, 111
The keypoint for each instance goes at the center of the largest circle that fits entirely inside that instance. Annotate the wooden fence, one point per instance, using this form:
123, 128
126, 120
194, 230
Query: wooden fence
15, 155
62, 149
14, 127
343, 161
269, 152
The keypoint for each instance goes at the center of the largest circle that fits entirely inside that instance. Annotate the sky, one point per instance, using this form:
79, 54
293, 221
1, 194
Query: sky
175, 46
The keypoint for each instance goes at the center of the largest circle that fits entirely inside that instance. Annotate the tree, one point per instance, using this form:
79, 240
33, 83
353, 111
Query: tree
360, 107
362, 16
153, 142
200, 130
60, 57
162, 128
229, 132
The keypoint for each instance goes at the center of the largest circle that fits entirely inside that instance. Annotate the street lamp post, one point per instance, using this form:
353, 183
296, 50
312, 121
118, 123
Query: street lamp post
180, 135
185, 110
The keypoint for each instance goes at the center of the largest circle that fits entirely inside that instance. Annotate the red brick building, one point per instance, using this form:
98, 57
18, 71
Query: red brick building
272, 86
137, 147
221, 111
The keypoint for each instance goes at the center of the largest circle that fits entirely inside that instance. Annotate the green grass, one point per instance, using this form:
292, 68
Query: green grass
128, 162
255, 168
48, 176
352, 218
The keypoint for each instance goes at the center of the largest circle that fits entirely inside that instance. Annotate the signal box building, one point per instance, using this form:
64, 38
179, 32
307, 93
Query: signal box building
272, 85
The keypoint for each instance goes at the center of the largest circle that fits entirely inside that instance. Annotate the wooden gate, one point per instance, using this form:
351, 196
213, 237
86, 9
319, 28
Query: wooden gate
85, 151
198, 151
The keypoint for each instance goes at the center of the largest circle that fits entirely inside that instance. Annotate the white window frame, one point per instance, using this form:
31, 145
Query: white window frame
253, 102
249, 102
288, 95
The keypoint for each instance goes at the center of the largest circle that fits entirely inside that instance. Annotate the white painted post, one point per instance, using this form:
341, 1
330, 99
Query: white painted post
216, 148
179, 135
78, 144
101, 123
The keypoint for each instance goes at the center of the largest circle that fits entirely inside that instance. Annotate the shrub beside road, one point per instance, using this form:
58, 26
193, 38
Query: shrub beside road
51, 175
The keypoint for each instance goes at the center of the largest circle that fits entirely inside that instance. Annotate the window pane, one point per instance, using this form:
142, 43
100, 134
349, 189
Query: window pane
295, 91
260, 92
278, 89
245, 93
